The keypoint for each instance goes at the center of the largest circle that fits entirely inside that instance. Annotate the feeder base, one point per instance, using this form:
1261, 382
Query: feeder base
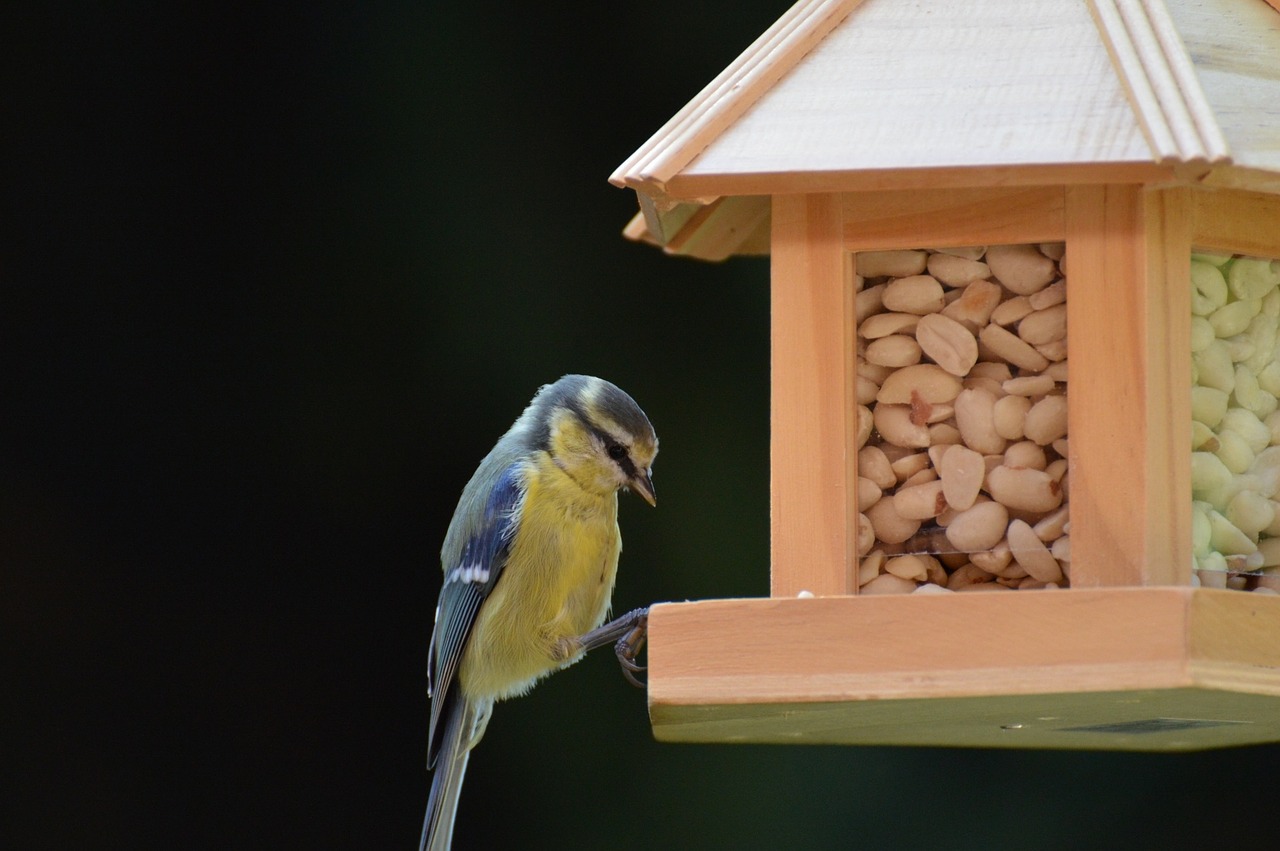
1140, 669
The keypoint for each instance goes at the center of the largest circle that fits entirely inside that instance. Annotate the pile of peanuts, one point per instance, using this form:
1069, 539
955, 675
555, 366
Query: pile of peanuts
962, 419
1235, 428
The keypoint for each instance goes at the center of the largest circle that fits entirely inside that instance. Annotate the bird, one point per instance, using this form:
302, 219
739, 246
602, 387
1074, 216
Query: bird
529, 559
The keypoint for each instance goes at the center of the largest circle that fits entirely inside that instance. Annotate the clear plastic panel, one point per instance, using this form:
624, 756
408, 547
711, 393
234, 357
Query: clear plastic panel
962, 412
1235, 424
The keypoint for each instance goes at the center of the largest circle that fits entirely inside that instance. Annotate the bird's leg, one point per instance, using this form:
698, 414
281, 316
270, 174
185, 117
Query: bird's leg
627, 635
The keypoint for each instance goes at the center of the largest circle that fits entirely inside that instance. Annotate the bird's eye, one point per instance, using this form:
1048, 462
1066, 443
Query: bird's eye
617, 451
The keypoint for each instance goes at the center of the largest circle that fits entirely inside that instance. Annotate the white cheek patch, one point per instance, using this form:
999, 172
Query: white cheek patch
475, 573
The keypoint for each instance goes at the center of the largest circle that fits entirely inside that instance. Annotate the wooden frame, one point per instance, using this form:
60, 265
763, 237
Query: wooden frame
1110, 656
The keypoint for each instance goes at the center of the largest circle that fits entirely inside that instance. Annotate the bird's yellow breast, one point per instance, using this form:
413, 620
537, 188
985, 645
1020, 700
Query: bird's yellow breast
556, 584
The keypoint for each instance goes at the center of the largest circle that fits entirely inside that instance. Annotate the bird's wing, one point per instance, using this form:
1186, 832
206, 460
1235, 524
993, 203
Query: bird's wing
466, 585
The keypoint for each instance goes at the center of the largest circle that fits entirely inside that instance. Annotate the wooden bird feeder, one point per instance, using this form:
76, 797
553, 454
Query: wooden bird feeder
1025, 448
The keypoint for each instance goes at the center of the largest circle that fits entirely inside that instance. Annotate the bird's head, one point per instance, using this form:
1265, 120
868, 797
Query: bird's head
598, 435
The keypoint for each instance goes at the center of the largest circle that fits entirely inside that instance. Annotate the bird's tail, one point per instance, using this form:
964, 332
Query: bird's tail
446, 781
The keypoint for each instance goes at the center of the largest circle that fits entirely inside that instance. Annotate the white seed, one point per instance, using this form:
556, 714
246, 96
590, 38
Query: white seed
1025, 453
869, 302
962, 471
923, 477
890, 527
866, 422
1055, 293
1262, 333
921, 501
969, 576
895, 350
906, 466
949, 343
884, 324
1044, 326
887, 583
875, 465
866, 535
994, 370
1010, 347
1234, 452
913, 567
943, 433
1201, 334
1246, 424
925, 381
918, 294
957, 271
896, 264
1250, 512
1024, 489
873, 371
1202, 437
1214, 367
1029, 385
1054, 351
1208, 289
1248, 394
1226, 538
974, 307
979, 527
1021, 268
997, 560
1253, 277
1047, 420
1208, 405
868, 493
1011, 311
866, 390
1053, 525
896, 426
975, 418
1053, 250
1010, 416
1232, 318
1031, 552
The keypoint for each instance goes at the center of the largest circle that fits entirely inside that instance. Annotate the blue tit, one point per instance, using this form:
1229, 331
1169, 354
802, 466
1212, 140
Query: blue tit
529, 565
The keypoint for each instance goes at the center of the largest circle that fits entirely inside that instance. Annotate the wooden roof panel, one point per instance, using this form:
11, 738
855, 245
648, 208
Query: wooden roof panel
939, 83
1234, 46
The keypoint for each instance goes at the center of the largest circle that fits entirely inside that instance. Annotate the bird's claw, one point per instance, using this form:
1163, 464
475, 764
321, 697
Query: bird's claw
628, 648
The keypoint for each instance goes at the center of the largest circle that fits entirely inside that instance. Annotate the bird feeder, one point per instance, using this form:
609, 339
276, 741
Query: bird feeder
1025, 441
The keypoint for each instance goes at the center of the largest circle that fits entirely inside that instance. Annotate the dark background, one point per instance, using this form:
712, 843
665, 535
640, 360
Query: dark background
272, 281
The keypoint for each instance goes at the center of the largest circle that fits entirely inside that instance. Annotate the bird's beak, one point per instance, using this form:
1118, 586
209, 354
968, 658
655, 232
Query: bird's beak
642, 483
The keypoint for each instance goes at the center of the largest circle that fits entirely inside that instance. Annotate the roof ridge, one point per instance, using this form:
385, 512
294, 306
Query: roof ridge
1163, 87
732, 92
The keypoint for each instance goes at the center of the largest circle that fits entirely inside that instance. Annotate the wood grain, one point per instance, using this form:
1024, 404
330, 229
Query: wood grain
952, 669
731, 93
953, 217
1168, 462
813, 491
1236, 221
895, 88
1235, 49
1162, 86
1124, 463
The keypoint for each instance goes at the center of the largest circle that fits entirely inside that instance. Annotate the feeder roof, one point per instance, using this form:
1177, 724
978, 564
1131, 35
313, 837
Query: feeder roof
844, 95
